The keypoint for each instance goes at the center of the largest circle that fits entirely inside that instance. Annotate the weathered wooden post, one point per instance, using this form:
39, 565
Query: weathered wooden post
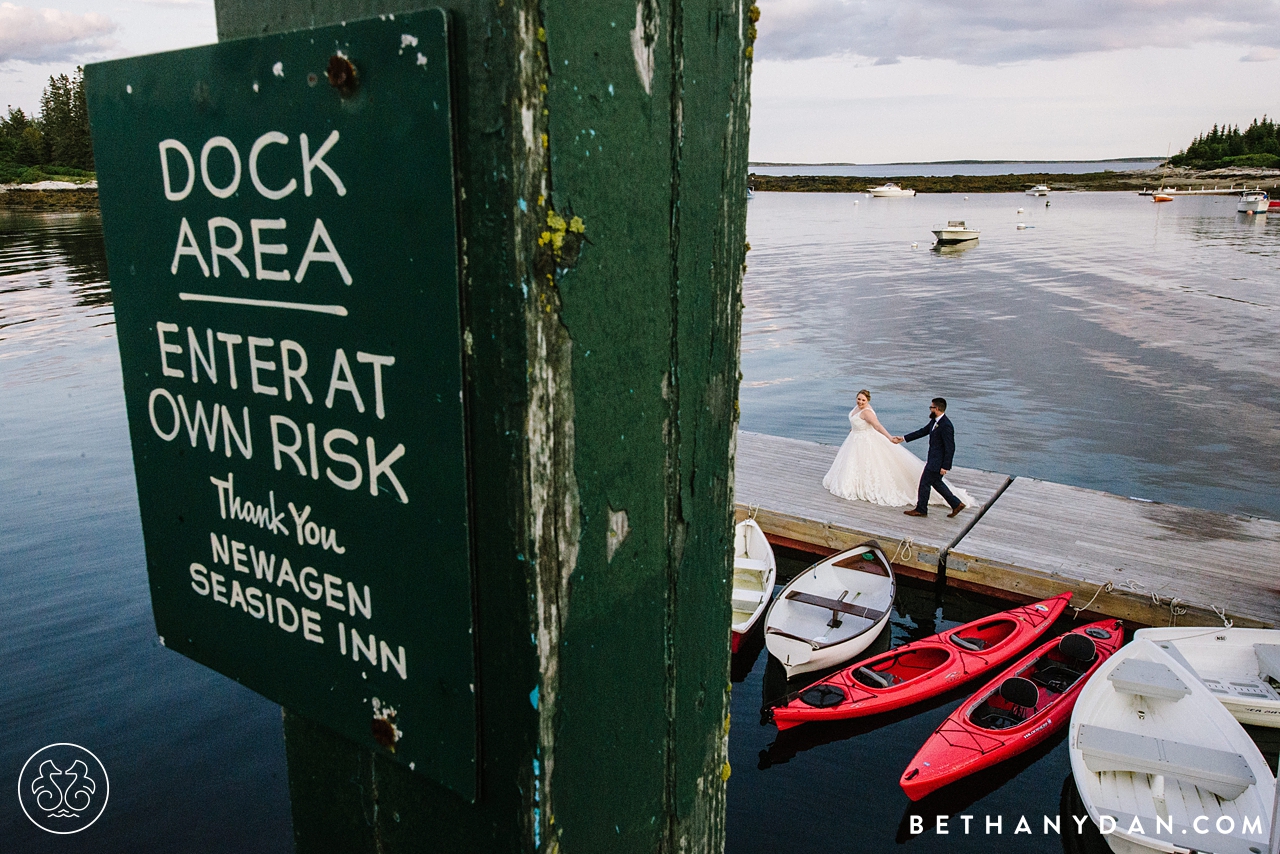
599, 161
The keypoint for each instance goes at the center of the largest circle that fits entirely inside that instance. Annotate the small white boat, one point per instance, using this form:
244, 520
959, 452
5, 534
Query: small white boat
1241, 667
755, 571
1161, 765
954, 231
890, 190
1253, 201
832, 611
1039, 190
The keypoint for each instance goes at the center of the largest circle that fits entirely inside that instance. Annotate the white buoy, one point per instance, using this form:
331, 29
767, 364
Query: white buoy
1019, 210
914, 245
1022, 226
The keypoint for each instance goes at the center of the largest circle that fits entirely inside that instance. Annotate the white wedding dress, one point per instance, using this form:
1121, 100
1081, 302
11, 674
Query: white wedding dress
869, 467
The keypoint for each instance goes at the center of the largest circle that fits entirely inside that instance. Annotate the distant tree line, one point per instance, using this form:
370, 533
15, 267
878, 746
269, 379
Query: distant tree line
54, 143
1258, 146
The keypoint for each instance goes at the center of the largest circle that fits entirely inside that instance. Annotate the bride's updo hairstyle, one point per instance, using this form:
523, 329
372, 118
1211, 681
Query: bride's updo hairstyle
867, 393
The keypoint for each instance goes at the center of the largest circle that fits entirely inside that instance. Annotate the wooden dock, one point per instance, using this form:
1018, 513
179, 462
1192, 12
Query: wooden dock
781, 481
1141, 561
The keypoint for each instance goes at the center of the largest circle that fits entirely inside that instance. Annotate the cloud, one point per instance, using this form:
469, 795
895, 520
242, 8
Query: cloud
48, 35
993, 32
1261, 54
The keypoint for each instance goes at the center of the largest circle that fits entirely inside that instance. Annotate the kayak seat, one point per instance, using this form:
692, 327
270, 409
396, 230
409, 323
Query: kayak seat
1076, 652
1078, 648
875, 679
971, 644
1020, 697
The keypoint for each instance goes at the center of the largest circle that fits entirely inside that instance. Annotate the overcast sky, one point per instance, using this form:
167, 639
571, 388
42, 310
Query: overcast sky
869, 81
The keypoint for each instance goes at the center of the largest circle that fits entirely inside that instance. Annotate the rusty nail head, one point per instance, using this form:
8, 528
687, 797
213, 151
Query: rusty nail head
342, 74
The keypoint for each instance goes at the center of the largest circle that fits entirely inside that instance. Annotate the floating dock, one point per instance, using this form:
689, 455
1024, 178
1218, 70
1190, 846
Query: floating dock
1145, 562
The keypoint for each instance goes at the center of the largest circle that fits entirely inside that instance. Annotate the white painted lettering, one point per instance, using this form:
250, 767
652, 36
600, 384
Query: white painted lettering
310, 586
202, 422
254, 597
199, 579
358, 647
187, 246
218, 587
256, 227
309, 163
311, 625
294, 374
210, 364
333, 592
165, 348
256, 364
238, 557
221, 554
273, 137
237, 595
232, 252
169, 193
278, 421
330, 255
224, 143
345, 383
354, 602
283, 605
231, 340
377, 469
378, 363
286, 574
397, 662
264, 565
151, 410
357, 477
228, 430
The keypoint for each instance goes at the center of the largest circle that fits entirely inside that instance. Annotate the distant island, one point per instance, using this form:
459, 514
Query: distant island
1257, 147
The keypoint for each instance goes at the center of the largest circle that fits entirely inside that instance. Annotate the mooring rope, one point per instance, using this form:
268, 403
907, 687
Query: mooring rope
1222, 615
1105, 588
1175, 611
904, 550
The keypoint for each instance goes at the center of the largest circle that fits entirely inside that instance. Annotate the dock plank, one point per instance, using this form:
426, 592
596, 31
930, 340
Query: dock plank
1041, 538
780, 480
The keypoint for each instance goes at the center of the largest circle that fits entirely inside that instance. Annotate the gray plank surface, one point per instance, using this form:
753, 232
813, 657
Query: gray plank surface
1040, 538
780, 480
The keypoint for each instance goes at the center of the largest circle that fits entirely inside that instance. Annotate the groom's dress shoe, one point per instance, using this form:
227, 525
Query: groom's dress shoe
956, 512
913, 513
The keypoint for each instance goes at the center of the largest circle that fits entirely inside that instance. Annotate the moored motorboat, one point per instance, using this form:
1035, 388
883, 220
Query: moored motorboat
1017, 710
1241, 667
832, 611
955, 231
1161, 197
1161, 765
890, 190
1039, 190
922, 669
1253, 201
755, 571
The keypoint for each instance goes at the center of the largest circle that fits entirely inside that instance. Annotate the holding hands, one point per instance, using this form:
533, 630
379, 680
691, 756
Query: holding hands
897, 440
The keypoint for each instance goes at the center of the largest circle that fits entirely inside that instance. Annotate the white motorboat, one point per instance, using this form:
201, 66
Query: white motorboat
1161, 765
1039, 190
955, 231
1253, 201
832, 611
1241, 667
890, 190
755, 571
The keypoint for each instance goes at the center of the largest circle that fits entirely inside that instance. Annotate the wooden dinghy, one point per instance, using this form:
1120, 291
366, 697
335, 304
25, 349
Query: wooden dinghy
922, 669
1014, 712
1162, 765
1241, 667
755, 571
832, 611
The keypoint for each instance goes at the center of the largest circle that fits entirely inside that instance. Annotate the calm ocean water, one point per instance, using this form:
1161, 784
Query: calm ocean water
888, 170
1117, 345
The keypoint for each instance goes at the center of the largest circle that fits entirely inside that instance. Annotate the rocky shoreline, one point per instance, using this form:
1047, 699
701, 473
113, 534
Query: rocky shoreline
49, 196
1133, 181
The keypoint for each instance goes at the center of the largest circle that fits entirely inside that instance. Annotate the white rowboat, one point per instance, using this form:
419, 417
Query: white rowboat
1241, 667
755, 571
1160, 763
832, 611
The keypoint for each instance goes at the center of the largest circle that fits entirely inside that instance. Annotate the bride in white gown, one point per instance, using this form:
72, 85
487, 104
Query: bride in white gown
870, 467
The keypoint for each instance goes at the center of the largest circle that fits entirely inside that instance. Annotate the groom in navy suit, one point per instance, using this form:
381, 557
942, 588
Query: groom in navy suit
942, 447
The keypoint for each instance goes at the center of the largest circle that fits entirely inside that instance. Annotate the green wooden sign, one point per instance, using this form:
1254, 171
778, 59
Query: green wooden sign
281, 237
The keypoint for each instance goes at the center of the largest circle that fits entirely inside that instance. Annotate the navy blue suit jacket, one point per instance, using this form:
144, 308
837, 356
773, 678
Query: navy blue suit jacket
942, 443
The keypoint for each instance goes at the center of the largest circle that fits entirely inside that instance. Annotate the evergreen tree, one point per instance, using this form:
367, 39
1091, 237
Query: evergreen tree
64, 119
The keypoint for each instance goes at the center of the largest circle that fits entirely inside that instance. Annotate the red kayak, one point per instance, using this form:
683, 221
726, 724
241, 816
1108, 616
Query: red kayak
922, 669
1015, 711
